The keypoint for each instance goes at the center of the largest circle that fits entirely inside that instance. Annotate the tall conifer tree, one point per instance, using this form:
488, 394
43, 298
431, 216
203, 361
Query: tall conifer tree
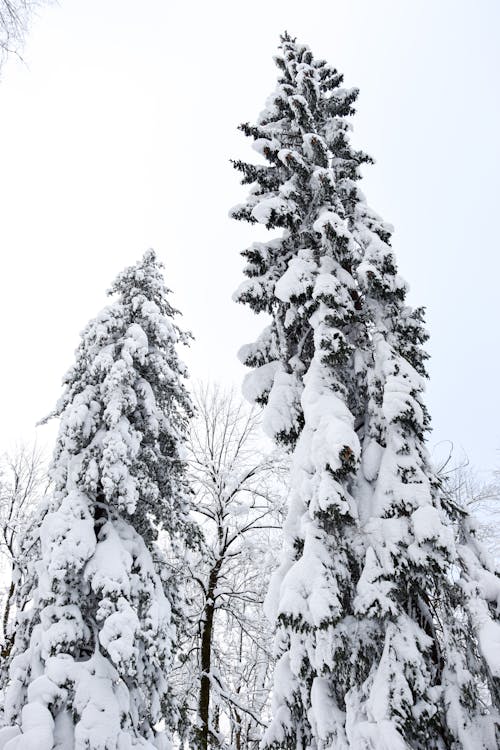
386, 608
94, 647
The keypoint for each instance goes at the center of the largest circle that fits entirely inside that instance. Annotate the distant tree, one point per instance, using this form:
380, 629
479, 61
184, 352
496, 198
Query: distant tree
387, 621
93, 650
480, 497
23, 482
238, 489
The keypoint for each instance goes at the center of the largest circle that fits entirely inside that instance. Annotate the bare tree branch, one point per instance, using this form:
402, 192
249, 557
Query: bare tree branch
15, 17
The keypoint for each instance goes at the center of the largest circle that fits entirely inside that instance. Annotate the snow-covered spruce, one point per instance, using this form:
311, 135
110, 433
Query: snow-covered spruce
92, 658
386, 609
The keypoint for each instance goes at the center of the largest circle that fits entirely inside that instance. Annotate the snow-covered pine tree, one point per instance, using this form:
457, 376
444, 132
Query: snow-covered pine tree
94, 646
386, 625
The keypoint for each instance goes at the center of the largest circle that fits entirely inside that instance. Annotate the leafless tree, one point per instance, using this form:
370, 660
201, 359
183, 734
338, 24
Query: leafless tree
481, 498
23, 483
239, 488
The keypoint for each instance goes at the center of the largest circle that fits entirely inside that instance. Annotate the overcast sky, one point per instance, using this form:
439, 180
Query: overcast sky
116, 135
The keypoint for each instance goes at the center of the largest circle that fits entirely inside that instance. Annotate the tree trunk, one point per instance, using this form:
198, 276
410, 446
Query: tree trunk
7, 641
203, 733
237, 717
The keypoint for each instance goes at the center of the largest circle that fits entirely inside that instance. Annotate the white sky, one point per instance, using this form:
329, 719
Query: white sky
116, 136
